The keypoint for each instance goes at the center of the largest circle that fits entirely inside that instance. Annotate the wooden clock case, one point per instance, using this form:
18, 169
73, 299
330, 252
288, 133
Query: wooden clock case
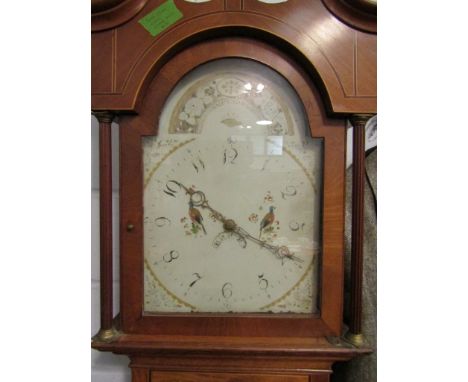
332, 68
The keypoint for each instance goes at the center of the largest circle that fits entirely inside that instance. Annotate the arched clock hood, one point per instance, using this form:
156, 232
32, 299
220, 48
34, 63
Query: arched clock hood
340, 58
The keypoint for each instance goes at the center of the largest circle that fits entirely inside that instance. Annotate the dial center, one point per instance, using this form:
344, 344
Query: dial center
229, 225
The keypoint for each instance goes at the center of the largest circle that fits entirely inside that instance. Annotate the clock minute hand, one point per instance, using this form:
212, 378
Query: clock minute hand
281, 252
197, 198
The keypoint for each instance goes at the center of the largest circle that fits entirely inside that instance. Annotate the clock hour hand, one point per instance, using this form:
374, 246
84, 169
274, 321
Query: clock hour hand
198, 199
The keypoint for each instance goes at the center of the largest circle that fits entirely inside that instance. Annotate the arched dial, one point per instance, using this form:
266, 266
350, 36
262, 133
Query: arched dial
232, 196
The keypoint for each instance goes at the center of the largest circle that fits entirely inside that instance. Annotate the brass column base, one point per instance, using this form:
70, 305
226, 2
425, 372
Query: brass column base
355, 339
106, 335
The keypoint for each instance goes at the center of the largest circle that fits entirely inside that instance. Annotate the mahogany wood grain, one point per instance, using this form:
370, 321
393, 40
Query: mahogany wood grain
317, 366
359, 14
161, 376
321, 30
249, 355
366, 6
141, 374
332, 67
104, 5
109, 14
102, 78
304, 28
365, 64
319, 378
132, 128
233, 5
105, 217
286, 350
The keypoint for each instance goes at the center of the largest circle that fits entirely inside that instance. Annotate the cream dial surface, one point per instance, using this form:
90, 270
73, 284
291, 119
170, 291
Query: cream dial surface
232, 131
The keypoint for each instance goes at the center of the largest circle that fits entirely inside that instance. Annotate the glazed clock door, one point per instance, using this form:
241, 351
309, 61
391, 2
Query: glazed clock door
232, 196
230, 174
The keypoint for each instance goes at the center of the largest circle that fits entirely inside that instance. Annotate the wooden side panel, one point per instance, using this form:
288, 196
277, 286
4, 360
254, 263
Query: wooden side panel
101, 62
134, 41
160, 376
366, 64
124, 60
292, 360
320, 378
245, 368
233, 5
140, 374
317, 24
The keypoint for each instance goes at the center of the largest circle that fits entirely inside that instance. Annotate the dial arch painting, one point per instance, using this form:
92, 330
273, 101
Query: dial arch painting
262, 1
232, 196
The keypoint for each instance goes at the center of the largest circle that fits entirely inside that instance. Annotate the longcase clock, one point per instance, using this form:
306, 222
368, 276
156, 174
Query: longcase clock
232, 120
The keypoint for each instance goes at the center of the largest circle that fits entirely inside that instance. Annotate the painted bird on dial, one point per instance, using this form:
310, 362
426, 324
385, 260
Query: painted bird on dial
267, 220
196, 216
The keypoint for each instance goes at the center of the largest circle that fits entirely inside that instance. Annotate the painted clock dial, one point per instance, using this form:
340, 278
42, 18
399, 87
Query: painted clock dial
232, 196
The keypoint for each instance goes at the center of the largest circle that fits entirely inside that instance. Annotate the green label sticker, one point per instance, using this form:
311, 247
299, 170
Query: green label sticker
161, 18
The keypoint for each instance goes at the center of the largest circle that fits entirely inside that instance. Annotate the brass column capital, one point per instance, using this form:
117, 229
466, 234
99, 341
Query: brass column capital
355, 339
104, 116
360, 120
106, 335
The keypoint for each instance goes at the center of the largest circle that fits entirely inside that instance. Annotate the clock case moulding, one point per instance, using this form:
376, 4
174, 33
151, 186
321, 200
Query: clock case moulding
341, 58
273, 332
134, 128
248, 343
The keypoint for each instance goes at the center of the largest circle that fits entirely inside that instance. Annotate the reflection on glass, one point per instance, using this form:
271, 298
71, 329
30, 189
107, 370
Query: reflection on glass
232, 196
273, 1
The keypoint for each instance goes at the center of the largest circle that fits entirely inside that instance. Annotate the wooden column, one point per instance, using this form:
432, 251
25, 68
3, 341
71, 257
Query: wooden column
140, 374
357, 229
105, 223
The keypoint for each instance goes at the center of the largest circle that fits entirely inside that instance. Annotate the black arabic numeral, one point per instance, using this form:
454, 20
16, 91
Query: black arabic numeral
226, 290
262, 282
171, 256
198, 277
170, 188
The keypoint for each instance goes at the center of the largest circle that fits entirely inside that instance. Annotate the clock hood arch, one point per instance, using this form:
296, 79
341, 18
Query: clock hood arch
319, 69
171, 70
134, 127
301, 47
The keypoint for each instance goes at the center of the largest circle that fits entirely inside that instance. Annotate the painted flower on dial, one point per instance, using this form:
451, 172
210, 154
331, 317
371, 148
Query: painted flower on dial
194, 107
260, 98
253, 218
280, 126
270, 108
206, 94
230, 87
183, 116
268, 197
